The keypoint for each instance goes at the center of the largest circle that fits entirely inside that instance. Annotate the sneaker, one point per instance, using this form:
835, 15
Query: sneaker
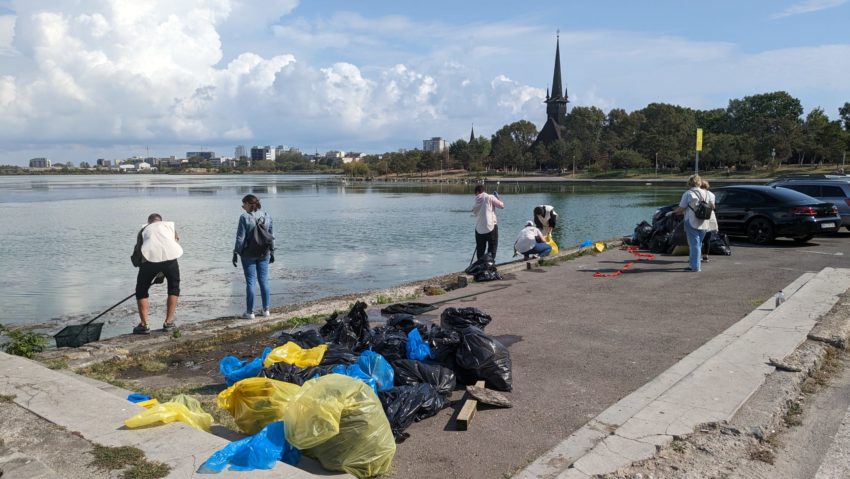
247, 316
266, 313
168, 327
141, 329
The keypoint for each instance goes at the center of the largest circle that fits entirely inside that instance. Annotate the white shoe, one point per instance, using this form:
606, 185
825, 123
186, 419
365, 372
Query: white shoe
247, 315
266, 313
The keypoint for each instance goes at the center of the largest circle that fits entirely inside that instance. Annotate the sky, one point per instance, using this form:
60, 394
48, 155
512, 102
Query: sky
88, 79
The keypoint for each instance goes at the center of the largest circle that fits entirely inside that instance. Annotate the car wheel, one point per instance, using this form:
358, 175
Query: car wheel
802, 239
760, 231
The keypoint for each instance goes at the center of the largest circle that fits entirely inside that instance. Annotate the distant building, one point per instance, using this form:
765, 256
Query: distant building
434, 145
240, 152
262, 154
352, 156
206, 155
556, 106
40, 163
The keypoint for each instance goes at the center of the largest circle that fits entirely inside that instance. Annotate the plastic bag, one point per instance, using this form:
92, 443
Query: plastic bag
307, 338
408, 308
551, 242
256, 402
234, 369
354, 371
260, 451
377, 367
294, 354
351, 331
181, 408
416, 347
338, 354
293, 374
486, 357
444, 343
405, 404
340, 422
389, 343
459, 318
409, 372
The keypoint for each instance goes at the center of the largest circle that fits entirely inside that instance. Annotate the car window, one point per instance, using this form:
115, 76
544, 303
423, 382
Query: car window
740, 198
811, 190
832, 192
719, 196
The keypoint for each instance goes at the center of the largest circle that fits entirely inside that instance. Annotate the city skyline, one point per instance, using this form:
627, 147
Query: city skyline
115, 79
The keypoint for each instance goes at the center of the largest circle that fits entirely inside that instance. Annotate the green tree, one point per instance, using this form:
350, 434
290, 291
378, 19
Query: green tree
586, 124
510, 144
822, 140
669, 131
628, 159
844, 113
771, 119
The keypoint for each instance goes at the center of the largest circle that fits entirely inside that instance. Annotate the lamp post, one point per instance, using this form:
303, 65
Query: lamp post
773, 157
656, 164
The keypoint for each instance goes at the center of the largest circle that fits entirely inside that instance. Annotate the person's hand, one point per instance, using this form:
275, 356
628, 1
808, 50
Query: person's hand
668, 213
271, 260
234, 260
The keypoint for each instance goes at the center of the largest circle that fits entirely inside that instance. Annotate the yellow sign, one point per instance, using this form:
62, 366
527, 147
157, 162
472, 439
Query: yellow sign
699, 139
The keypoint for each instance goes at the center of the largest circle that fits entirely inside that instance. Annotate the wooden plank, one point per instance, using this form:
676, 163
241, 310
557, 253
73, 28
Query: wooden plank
467, 412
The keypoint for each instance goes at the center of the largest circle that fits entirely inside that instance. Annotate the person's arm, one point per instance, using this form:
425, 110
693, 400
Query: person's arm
496, 202
683, 203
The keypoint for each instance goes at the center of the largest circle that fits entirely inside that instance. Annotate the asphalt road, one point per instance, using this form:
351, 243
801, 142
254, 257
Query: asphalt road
580, 343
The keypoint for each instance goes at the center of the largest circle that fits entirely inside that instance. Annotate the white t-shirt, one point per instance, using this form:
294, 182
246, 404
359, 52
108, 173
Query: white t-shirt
526, 239
159, 242
485, 212
690, 200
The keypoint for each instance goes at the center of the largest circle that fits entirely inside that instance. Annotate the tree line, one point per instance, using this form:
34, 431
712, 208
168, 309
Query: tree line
764, 130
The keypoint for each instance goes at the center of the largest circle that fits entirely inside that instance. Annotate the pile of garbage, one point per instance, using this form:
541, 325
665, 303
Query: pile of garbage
345, 394
667, 231
484, 269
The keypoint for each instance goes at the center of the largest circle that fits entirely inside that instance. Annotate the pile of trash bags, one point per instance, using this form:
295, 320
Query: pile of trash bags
345, 394
668, 231
484, 269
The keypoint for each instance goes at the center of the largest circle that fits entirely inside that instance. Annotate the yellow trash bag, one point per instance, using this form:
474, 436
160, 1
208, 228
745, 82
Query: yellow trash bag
600, 246
293, 354
181, 408
255, 403
339, 421
551, 242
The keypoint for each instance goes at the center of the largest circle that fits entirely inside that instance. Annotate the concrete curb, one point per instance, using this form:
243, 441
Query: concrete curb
709, 384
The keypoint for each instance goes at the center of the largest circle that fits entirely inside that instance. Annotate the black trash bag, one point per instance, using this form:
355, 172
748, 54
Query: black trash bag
391, 343
358, 319
405, 404
642, 234
719, 244
444, 344
485, 263
659, 242
406, 322
336, 330
410, 371
306, 339
408, 308
486, 357
677, 238
489, 275
293, 374
338, 354
459, 318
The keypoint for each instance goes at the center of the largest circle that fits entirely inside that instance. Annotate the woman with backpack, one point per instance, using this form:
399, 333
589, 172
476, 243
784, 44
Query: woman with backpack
255, 245
697, 209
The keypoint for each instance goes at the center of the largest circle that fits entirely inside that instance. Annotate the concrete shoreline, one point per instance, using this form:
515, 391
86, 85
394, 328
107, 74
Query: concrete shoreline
581, 344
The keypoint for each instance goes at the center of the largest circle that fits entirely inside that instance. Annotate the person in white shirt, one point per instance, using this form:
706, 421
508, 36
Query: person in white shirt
486, 227
530, 241
713, 227
695, 228
160, 250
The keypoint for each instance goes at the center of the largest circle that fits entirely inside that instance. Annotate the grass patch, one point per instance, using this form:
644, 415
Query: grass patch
678, 446
761, 454
7, 397
383, 299
57, 364
756, 302
793, 414
131, 459
432, 290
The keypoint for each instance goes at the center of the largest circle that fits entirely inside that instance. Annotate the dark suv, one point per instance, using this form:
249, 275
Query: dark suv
761, 213
834, 190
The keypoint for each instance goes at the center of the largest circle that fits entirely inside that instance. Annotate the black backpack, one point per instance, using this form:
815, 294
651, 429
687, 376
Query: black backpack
260, 241
703, 209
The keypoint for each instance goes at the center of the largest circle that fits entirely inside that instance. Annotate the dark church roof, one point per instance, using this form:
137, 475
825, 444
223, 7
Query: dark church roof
556, 105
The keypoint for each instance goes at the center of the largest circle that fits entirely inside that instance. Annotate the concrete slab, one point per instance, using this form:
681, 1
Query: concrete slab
98, 416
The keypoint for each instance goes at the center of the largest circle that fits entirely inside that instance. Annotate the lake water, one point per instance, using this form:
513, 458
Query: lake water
65, 241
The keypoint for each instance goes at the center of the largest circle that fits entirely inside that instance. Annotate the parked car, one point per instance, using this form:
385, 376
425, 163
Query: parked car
761, 213
835, 190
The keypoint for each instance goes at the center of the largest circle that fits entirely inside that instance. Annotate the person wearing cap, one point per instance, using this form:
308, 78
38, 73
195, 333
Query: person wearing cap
160, 250
530, 241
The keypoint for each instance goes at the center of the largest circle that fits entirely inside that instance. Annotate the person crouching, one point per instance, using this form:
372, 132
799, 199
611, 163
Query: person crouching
530, 242
545, 218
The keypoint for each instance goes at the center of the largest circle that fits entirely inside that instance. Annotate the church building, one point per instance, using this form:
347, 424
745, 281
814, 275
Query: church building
556, 105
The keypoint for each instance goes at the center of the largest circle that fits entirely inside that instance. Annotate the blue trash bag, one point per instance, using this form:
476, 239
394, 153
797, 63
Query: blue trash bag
585, 244
260, 451
376, 366
137, 398
417, 348
234, 369
354, 371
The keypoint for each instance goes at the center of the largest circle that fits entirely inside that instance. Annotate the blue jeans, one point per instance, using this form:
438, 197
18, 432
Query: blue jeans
540, 249
694, 246
254, 269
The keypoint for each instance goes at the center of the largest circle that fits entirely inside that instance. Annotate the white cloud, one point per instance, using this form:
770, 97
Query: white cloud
808, 6
7, 34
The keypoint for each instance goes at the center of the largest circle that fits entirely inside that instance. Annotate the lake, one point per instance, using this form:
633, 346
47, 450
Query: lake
65, 241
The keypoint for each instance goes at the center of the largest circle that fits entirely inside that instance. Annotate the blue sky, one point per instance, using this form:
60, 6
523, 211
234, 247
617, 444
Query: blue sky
81, 80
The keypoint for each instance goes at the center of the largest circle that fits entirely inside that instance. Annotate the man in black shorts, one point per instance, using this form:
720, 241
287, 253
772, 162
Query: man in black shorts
160, 250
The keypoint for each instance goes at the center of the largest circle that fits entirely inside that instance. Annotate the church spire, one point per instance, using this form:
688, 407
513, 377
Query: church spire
472, 133
556, 77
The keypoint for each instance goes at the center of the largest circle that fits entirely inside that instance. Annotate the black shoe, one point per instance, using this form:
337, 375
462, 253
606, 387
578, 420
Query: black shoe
141, 330
168, 327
